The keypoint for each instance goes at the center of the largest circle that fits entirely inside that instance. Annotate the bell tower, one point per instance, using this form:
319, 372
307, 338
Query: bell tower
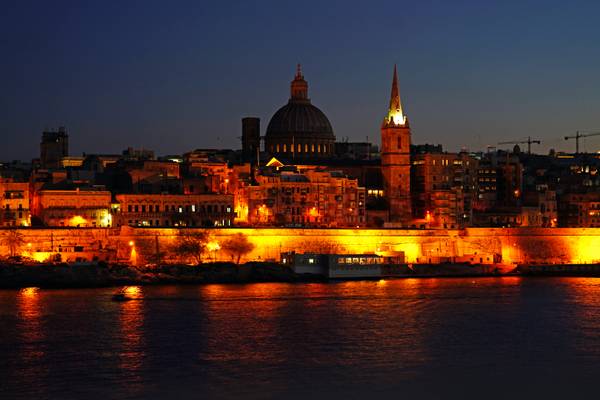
395, 158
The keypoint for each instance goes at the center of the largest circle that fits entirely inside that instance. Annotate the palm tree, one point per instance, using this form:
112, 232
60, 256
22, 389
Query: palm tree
13, 240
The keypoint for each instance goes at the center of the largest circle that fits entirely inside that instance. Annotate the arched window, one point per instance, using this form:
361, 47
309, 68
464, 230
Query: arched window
399, 142
306, 147
277, 148
318, 148
312, 148
299, 148
284, 148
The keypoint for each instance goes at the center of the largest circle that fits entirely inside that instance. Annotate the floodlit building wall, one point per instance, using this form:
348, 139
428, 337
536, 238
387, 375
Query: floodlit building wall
475, 245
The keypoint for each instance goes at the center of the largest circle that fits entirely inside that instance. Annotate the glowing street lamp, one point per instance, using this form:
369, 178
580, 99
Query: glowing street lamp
133, 254
213, 247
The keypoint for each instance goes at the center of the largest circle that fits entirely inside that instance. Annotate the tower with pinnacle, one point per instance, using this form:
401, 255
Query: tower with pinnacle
395, 158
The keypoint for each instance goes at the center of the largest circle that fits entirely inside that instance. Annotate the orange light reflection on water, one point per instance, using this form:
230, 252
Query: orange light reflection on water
584, 290
31, 330
29, 311
242, 323
131, 320
132, 291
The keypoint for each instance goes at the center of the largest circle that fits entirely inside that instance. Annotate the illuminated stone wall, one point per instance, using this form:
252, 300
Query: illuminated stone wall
71, 243
476, 245
534, 245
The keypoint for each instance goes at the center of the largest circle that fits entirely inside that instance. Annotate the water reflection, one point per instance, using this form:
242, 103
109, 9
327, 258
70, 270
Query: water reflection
584, 297
253, 331
131, 320
241, 322
317, 340
32, 337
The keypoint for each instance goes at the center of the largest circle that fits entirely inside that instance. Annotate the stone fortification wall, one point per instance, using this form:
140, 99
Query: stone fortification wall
475, 245
73, 244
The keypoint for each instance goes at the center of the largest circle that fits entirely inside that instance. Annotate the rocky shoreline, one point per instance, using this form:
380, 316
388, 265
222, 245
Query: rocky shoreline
103, 275
63, 275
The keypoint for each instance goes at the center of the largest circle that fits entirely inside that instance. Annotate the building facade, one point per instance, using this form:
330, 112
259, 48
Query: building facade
83, 208
579, 210
444, 188
314, 198
14, 204
174, 210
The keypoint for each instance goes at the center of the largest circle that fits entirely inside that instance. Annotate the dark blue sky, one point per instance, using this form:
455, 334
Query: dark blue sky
173, 76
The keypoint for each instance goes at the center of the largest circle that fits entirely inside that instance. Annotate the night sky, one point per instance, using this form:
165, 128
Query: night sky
175, 75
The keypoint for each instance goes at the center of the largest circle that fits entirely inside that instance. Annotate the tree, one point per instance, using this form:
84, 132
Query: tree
237, 246
150, 250
191, 245
13, 239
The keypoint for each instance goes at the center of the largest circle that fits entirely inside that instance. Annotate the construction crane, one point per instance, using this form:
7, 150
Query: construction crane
529, 141
578, 135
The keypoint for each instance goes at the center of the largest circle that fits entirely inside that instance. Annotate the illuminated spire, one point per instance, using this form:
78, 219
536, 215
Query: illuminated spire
395, 115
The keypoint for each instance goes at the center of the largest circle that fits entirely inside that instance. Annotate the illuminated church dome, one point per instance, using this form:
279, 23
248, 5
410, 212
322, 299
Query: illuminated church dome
299, 129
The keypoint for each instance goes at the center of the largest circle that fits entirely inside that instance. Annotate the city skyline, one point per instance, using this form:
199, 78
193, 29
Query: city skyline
497, 73
299, 199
